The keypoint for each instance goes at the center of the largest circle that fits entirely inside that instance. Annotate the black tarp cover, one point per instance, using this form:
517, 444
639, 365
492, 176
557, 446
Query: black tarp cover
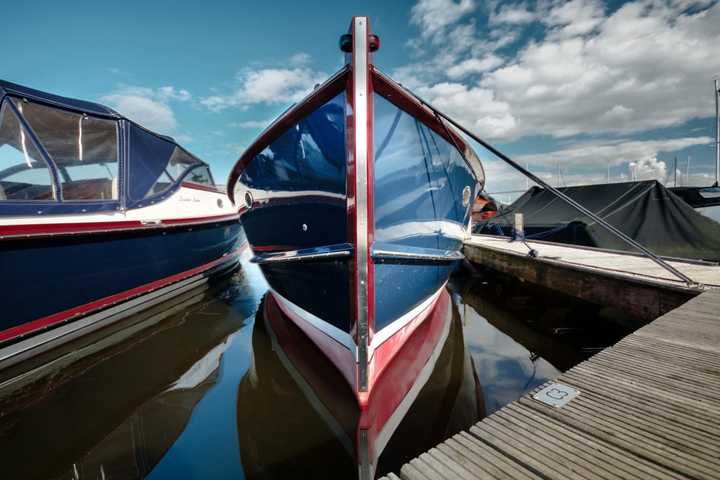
645, 211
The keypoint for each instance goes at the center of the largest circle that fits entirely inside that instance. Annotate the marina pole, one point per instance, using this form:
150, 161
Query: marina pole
717, 133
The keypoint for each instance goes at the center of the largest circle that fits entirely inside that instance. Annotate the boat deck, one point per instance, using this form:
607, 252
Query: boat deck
623, 280
648, 407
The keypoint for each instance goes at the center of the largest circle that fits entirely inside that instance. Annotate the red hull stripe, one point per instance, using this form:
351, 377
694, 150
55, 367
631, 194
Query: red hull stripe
50, 229
45, 322
205, 188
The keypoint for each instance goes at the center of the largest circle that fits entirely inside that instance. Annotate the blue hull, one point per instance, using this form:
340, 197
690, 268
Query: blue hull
299, 206
45, 276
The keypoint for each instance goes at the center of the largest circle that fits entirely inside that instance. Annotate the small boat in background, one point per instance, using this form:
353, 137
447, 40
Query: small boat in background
356, 202
96, 210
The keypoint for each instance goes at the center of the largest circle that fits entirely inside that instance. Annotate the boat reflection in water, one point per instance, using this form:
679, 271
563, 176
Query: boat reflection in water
118, 412
297, 417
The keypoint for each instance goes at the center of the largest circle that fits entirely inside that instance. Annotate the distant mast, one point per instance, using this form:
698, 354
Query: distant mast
717, 133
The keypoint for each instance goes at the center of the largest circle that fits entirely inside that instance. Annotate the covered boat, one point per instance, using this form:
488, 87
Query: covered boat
356, 202
95, 210
646, 211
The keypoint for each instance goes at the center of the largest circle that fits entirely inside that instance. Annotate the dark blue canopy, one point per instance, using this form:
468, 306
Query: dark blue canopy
81, 105
151, 166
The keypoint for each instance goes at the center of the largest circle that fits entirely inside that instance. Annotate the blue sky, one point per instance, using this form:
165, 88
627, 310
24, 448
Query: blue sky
575, 86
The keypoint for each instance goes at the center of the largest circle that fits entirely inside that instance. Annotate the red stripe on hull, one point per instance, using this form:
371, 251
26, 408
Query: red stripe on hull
342, 358
105, 302
51, 229
310, 360
205, 188
394, 368
397, 364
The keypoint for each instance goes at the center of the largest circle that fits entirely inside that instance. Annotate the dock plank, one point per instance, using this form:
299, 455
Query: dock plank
649, 408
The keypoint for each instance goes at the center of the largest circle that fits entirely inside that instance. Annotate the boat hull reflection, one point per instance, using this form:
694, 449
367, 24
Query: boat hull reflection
297, 415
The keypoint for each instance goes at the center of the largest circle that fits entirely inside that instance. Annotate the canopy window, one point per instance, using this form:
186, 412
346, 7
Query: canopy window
84, 149
24, 174
175, 169
200, 176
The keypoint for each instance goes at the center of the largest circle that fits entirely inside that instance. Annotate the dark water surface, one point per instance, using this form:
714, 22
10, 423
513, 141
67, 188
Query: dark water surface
203, 395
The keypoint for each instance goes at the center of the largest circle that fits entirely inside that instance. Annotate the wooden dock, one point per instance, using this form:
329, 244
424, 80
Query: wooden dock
622, 280
648, 408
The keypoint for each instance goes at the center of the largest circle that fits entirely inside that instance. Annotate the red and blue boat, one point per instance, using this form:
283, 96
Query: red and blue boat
356, 202
95, 211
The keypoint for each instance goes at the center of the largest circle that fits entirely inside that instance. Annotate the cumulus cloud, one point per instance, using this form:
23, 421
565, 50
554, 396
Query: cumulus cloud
474, 65
147, 106
485, 112
576, 17
434, 16
612, 152
268, 86
252, 124
511, 14
644, 66
648, 169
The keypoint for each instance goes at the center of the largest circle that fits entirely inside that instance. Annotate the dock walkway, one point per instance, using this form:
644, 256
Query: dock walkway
648, 408
623, 280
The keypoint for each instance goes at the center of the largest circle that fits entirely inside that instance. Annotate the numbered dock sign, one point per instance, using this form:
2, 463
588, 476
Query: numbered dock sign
556, 395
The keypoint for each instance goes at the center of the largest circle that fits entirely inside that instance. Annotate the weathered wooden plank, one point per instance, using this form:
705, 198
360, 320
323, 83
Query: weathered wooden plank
529, 453
457, 467
415, 471
558, 450
671, 454
591, 446
642, 403
649, 408
486, 458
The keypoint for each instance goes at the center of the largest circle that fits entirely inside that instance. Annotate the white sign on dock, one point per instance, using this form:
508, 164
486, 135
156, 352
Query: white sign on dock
556, 395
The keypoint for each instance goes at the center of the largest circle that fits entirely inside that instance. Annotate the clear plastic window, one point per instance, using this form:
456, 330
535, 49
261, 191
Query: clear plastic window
178, 164
84, 149
200, 175
24, 175
163, 183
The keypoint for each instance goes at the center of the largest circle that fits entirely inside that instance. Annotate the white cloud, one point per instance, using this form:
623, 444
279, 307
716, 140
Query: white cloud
433, 16
171, 93
648, 169
474, 65
646, 65
482, 112
512, 14
576, 17
252, 124
612, 152
300, 59
149, 107
269, 86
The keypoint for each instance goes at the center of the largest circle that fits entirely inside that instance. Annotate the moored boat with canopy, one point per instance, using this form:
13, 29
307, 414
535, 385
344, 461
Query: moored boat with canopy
96, 210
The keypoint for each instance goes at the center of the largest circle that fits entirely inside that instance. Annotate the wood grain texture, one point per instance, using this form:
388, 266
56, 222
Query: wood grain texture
649, 408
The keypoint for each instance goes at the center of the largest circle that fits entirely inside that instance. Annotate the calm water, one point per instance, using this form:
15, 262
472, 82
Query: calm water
202, 394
